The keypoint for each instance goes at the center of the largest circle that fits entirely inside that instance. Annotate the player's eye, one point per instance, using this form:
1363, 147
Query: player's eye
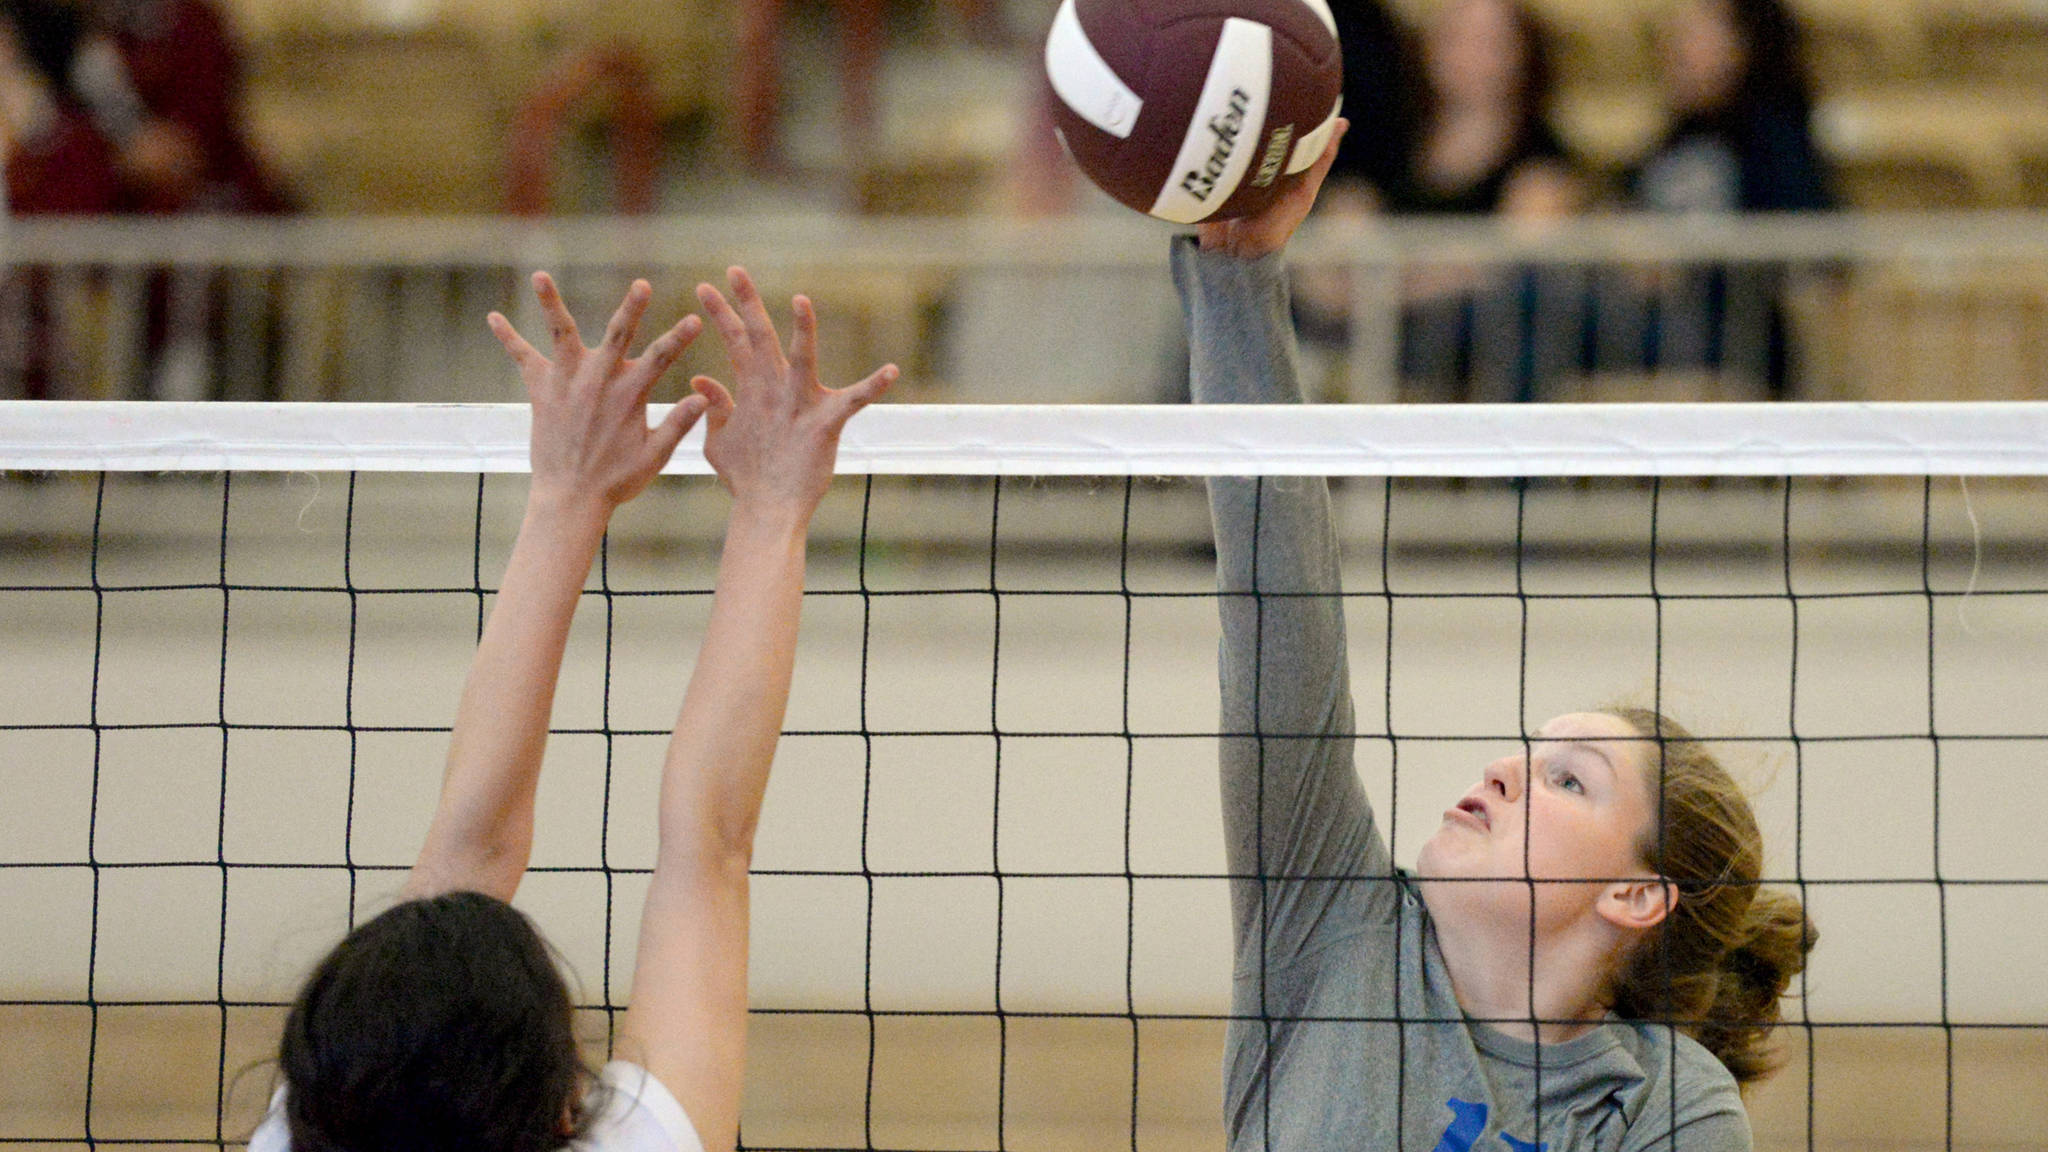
1569, 781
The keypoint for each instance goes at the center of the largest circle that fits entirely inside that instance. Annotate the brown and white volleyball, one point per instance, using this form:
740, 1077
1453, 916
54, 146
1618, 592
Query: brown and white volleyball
1194, 110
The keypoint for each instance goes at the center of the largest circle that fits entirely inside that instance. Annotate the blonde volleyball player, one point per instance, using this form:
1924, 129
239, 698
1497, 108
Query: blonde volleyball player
1581, 959
442, 1023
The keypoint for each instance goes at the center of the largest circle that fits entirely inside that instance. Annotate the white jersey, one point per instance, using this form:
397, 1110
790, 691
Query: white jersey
638, 1115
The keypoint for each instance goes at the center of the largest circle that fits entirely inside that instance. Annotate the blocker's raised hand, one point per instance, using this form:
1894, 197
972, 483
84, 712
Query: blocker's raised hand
774, 436
591, 439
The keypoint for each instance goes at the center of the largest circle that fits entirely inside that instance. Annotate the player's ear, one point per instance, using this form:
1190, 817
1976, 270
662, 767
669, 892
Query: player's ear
1637, 905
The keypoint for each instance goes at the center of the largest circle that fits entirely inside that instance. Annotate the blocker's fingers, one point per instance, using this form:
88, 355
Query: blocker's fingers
731, 328
561, 325
523, 354
676, 425
803, 347
625, 321
753, 309
855, 397
661, 355
717, 400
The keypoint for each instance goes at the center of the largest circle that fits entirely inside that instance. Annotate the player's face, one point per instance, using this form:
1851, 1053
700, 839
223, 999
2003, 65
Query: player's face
1574, 807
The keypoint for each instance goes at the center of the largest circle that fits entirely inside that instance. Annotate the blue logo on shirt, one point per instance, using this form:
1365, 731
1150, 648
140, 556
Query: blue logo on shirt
1468, 1123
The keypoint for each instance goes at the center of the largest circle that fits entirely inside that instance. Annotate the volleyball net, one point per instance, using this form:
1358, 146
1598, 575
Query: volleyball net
991, 901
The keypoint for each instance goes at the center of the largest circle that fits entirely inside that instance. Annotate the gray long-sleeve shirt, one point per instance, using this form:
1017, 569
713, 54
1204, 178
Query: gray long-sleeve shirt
1346, 1032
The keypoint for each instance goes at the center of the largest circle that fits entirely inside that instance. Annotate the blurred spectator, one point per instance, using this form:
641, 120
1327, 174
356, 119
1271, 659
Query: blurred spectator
164, 81
862, 31
1740, 140
1375, 71
758, 76
56, 162
1741, 137
1478, 136
616, 73
1467, 133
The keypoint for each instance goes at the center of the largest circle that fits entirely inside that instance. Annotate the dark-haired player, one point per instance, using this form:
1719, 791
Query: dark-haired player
442, 1023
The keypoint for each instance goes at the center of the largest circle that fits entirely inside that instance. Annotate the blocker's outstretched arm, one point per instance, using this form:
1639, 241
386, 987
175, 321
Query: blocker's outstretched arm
774, 444
592, 450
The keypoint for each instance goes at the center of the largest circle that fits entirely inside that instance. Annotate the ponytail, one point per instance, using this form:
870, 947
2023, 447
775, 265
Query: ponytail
1753, 979
1719, 963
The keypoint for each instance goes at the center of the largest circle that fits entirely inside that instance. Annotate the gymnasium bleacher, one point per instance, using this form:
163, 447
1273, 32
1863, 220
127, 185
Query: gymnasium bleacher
380, 108
402, 105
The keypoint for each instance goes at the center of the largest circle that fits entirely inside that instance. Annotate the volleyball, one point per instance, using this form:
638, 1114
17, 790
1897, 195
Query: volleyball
1195, 109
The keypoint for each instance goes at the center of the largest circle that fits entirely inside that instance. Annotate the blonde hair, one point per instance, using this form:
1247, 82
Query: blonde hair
1718, 964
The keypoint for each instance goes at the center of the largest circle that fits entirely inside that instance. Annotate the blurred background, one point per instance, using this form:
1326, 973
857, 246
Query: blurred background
318, 200
1541, 199
419, 107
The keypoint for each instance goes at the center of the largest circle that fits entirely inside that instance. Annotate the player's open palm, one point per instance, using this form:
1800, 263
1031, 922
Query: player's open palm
591, 439
774, 436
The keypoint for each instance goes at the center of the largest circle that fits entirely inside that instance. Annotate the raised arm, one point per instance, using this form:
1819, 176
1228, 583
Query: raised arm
592, 450
774, 445
1292, 804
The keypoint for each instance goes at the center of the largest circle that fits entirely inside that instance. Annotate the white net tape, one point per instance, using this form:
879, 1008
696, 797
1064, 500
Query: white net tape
1989, 439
